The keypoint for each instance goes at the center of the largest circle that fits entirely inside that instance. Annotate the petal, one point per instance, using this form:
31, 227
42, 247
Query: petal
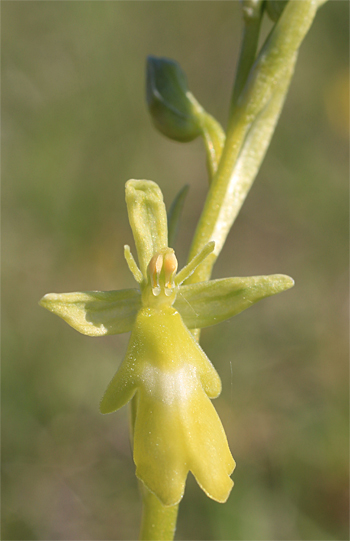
96, 313
148, 219
189, 269
207, 303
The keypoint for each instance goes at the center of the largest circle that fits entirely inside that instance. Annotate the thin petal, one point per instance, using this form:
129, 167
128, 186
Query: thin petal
96, 313
208, 303
135, 271
189, 269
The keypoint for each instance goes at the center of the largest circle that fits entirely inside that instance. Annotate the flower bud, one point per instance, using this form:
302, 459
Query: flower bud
168, 100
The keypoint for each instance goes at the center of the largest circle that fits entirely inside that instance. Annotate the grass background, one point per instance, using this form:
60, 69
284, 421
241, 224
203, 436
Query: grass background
75, 128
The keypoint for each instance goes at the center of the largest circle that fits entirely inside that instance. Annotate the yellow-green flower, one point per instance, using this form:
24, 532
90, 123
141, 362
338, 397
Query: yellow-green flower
165, 371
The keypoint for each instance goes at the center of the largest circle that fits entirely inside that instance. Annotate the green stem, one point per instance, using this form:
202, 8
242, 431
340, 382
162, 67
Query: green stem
158, 521
271, 72
248, 164
247, 53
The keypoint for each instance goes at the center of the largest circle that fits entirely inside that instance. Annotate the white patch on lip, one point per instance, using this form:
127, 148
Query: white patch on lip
170, 386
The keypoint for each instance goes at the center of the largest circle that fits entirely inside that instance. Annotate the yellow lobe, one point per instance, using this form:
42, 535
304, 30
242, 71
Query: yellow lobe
177, 429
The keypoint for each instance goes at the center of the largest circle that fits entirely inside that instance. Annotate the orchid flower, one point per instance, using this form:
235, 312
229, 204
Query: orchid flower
165, 371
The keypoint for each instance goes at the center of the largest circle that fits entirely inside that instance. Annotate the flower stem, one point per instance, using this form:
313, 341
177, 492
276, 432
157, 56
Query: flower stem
263, 94
158, 521
252, 22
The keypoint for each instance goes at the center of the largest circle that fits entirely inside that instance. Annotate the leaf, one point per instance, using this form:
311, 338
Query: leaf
96, 313
208, 303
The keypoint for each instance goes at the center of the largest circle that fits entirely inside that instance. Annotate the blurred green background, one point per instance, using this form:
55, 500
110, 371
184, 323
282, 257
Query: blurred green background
75, 128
